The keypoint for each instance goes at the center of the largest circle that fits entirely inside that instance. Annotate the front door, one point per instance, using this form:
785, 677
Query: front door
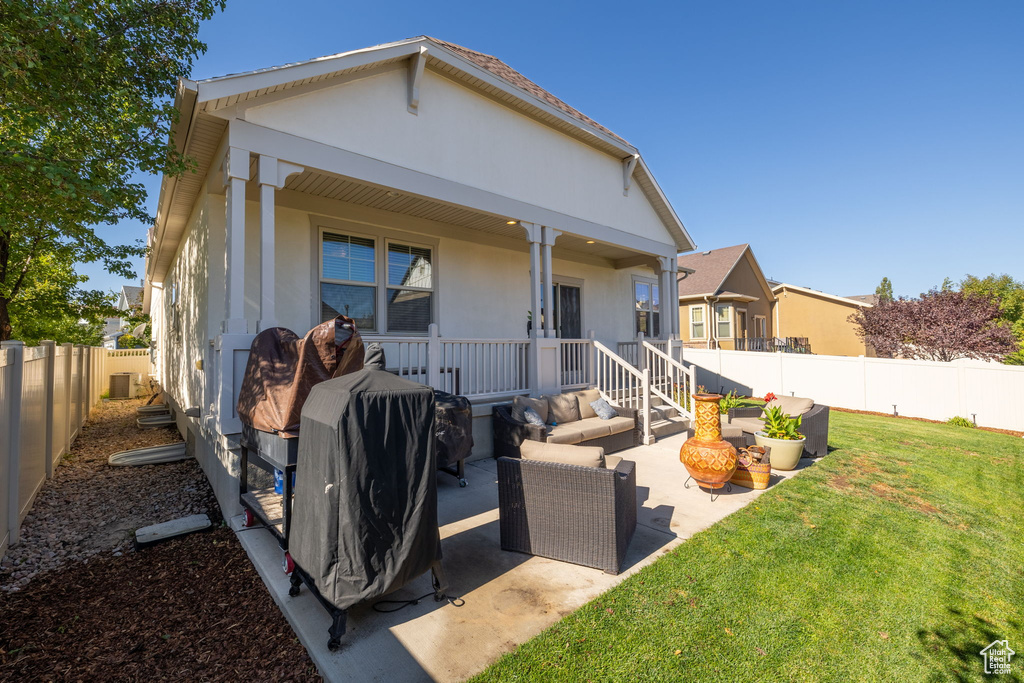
568, 312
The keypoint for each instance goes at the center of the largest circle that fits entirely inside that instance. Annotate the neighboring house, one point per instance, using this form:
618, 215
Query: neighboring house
430, 192
822, 318
726, 301
129, 297
870, 299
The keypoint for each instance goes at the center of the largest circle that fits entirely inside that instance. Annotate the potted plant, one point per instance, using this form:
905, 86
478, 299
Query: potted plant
781, 433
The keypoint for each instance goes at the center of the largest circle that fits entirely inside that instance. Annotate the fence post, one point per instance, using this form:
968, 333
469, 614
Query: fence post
591, 359
68, 370
48, 407
640, 355
78, 372
434, 357
647, 406
15, 371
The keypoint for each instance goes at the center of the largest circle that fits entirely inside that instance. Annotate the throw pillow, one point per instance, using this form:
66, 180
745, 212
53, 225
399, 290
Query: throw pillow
791, 405
521, 403
603, 409
585, 398
532, 417
563, 408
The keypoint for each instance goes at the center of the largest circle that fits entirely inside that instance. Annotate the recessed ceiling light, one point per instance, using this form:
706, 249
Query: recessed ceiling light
511, 222
391, 193
590, 241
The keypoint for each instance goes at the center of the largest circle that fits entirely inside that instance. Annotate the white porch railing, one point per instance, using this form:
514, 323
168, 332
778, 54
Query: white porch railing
671, 381
577, 364
630, 350
622, 384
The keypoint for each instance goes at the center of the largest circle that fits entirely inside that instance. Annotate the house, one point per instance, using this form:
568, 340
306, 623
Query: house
725, 302
432, 193
129, 297
822, 318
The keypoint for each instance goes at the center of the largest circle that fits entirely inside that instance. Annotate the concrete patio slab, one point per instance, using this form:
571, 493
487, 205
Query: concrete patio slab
506, 598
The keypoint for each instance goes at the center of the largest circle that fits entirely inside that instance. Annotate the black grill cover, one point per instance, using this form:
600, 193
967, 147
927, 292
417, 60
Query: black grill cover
453, 427
365, 510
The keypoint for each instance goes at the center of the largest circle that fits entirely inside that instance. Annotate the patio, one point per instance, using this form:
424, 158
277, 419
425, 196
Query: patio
509, 597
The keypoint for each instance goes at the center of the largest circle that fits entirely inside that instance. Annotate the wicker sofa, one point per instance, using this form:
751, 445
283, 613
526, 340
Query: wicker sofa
814, 421
622, 431
573, 513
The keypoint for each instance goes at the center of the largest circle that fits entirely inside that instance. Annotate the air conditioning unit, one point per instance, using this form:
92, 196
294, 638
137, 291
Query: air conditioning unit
121, 385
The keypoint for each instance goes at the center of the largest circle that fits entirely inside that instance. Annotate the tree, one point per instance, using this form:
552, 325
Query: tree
940, 325
1008, 294
884, 290
87, 91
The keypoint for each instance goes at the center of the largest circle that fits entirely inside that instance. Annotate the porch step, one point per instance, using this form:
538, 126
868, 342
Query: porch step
669, 426
661, 411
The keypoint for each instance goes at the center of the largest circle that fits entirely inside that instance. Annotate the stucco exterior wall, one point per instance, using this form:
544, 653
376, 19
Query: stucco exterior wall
823, 321
462, 136
744, 280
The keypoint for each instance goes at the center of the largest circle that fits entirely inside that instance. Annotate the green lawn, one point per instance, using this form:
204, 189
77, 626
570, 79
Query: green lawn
897, 557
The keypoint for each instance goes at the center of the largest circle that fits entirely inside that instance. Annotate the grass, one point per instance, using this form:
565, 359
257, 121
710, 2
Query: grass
897, 557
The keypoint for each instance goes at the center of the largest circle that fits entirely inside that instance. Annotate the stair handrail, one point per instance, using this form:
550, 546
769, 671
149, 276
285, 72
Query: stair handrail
686, 372
643, 377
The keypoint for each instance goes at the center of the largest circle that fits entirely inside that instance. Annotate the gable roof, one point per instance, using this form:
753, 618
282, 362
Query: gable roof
710, 269
869, 299
130, 296
778, 286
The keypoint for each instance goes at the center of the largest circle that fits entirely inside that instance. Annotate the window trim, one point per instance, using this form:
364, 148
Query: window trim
728, 320
381, 235
702, 321
761, 326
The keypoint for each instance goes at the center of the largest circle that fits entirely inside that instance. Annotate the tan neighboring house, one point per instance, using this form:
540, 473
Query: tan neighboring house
726, 302
822, 318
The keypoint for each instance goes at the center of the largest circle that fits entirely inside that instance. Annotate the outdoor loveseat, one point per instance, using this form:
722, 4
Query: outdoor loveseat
813, 425
553, 507
568, 419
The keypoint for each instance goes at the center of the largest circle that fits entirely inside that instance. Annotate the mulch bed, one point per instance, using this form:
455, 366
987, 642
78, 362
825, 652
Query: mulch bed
192, 608
78, 603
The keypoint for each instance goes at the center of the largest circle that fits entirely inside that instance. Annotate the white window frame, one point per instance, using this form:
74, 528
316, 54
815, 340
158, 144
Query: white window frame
698, 308
653, 284
728, 321
381, 237
761, 326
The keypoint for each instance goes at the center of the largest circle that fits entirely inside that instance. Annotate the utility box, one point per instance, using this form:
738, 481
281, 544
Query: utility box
122, 385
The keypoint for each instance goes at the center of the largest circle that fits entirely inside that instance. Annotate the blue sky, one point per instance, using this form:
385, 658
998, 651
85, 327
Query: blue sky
844, 141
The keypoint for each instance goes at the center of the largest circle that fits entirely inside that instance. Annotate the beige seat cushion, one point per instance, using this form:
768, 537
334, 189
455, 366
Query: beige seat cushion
586, 456
612, 461
593, 428
562, 409
792, 405
564, 433
619, 424
746, 424
585, 398
520, 403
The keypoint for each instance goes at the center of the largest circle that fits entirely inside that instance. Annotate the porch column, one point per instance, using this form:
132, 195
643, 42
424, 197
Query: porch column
674, 288
665, 297
272, 176
548, 240
533, 236
236, 173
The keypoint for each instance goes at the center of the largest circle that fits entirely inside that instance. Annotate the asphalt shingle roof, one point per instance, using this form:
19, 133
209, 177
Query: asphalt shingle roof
710, 269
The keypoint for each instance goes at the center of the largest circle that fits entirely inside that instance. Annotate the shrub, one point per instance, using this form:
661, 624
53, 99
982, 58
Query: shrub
730, 400
958, 421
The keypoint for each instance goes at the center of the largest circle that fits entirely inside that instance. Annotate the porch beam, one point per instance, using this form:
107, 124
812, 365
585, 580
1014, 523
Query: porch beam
273, 174
236, 173
416, 64
312, 154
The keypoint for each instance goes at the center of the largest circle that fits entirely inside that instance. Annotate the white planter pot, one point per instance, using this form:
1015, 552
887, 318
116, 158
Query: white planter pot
785, 454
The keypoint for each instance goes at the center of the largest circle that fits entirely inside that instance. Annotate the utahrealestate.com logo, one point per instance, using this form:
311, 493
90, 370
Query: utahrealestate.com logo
997, 657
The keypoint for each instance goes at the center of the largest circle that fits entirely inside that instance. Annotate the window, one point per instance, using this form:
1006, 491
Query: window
390, 292
760, 326
723, 321
410, 280
646, 300
696, 322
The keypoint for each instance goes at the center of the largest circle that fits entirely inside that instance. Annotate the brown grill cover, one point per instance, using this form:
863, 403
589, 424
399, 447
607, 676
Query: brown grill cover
283, 367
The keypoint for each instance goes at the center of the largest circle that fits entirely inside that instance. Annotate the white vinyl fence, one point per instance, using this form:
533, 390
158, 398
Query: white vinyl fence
46, 394
990, 393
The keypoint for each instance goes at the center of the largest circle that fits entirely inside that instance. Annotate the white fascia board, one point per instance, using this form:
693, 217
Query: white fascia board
238, 84
642, 165
834, 297
312, 154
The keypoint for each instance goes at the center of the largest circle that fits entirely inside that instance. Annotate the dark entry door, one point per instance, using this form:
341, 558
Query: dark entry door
568, 312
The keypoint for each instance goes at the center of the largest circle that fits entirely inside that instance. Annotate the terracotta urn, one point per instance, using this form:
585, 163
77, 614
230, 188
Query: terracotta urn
709, 460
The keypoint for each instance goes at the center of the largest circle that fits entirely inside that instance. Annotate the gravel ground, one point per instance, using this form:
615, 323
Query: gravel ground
78, 603
91, 508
